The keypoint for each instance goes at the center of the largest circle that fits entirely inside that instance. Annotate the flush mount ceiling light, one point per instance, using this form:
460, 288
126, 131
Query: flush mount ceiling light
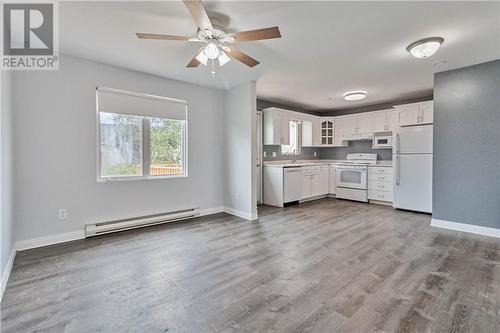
426, 47
354, 95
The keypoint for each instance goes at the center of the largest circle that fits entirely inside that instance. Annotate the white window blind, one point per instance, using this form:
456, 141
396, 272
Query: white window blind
131, 103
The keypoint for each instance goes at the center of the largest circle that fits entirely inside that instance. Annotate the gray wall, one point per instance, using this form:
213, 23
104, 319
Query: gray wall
340, 153
466, 172
6, 220
55, 149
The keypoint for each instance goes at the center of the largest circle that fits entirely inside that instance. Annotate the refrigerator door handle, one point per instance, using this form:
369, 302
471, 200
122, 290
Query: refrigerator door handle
397, 143
398, 173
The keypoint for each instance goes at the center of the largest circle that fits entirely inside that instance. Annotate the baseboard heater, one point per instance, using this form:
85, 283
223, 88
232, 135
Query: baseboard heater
139, 222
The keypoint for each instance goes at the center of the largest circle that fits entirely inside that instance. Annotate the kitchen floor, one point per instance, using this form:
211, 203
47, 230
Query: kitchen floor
323, 266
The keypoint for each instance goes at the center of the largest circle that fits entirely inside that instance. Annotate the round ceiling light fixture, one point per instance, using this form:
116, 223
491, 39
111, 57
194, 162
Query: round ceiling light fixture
355, 95
426, 47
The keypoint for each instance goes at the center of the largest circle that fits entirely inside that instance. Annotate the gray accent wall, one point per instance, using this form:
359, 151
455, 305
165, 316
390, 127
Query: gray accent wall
340, 153
466, 171
6, 171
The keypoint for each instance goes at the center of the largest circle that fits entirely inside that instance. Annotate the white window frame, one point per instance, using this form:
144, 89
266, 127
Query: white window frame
145, 138
298, 139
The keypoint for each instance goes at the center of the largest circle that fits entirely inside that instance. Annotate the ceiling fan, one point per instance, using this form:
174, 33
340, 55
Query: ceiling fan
216, 38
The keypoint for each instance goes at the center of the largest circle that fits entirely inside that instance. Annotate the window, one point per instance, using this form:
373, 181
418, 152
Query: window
294, 147
144, 137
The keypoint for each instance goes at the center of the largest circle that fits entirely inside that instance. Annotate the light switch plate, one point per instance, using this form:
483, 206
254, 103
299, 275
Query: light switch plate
274, 154
315, 154
62, 214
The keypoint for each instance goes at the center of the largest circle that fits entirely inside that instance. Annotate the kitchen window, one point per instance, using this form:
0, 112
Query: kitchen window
140, 136
295, 139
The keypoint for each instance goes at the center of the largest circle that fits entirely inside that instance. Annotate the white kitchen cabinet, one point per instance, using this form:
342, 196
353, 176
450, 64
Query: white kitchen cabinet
276, 127
364, 123
311, 132
415, 113
333, 184
385, 121
426, 112
380, 188
321, 181
380, 122
356, 126
307, 133
327, 132
306, 182
315, 181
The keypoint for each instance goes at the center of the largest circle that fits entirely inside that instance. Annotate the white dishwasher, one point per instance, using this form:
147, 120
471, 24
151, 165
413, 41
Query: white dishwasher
292, 184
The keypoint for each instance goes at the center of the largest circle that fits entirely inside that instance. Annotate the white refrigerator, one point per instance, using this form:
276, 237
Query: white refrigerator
412, 168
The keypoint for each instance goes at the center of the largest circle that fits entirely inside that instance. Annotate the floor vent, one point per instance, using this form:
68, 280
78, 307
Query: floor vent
139, 222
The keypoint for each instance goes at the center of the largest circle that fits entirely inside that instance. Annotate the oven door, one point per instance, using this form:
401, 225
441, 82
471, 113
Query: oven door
351, 177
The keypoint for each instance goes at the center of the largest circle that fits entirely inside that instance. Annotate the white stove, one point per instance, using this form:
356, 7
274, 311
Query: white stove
351, 177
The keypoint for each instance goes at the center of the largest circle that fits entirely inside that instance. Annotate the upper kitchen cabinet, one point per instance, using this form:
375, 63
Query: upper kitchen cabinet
385, 121
357, 126
311, 132
415, 113
276, 127
327, 131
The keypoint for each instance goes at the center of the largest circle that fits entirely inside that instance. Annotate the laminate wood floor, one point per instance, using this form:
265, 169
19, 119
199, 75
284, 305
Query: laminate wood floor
324, 266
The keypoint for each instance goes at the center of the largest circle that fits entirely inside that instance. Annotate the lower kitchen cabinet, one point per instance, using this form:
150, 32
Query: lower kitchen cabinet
380, 184
315, 181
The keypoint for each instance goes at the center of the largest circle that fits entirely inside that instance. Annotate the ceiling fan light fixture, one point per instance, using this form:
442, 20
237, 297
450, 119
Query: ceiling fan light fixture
355, 95
202, 57
425, 48
211, 51
223, 58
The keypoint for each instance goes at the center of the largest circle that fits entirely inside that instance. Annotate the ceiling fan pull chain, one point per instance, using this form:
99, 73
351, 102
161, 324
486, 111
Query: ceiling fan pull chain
212, 72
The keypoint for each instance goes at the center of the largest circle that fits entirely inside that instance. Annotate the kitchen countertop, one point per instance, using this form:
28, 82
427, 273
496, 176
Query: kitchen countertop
300, 163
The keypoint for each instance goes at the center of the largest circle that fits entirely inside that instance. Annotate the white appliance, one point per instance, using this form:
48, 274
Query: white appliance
292, 184
383, 141
351, 177
412, 164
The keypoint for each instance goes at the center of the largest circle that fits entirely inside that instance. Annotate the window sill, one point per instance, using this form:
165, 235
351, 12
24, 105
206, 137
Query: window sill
131, 179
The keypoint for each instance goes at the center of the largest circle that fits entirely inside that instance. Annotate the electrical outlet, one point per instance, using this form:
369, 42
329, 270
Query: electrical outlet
274, 154
265, 154
62, 214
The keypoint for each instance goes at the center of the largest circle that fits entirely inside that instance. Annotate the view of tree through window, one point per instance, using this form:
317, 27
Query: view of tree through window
121, 145
165, 146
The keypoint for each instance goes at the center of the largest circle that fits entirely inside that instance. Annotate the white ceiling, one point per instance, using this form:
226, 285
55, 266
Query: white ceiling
326, 48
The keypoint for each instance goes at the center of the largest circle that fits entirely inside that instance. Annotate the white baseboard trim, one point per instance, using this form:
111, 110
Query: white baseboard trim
32, 243
473, 229
239, 213
6, 272
210, 211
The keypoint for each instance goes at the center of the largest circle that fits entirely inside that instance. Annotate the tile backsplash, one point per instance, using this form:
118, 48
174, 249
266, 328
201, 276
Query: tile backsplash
307, 153
334, 153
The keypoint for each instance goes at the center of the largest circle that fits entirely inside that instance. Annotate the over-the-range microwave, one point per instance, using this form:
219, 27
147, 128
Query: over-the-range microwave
382, 141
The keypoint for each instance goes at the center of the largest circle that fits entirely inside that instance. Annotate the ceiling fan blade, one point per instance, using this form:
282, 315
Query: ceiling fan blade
259, 34
193, 63
199, 14
162, 37
243, 57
